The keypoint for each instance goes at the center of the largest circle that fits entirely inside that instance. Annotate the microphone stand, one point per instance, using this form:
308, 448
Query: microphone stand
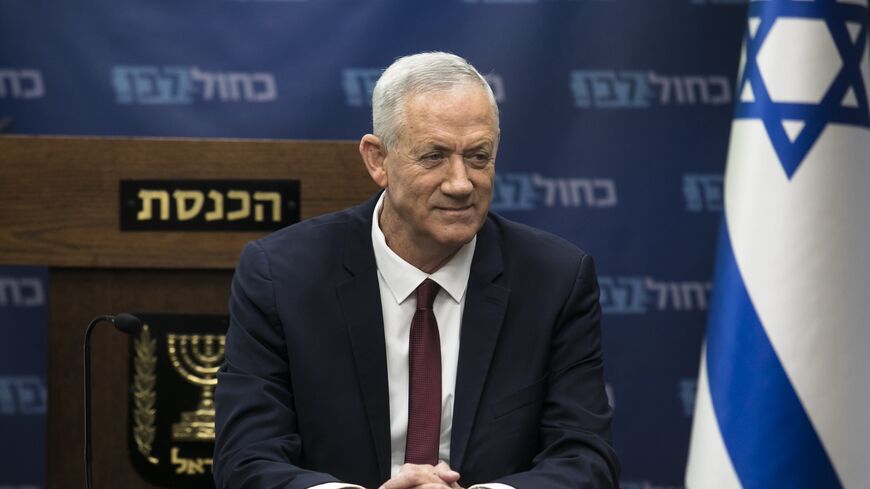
124, 322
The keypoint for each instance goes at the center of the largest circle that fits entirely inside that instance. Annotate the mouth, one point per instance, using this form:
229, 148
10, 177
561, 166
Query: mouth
455, 209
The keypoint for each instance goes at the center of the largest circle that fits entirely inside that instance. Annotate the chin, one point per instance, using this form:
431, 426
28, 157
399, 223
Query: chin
455, 232
457, 238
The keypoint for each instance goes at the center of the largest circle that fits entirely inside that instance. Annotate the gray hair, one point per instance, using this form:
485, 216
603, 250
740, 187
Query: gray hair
415, 74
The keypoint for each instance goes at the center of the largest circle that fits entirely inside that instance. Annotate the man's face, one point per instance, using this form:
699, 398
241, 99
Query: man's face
439, 177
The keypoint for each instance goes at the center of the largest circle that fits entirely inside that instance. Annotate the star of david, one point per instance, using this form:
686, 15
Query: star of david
793, 127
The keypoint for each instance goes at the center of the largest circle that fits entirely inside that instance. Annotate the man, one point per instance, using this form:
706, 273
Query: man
417, 340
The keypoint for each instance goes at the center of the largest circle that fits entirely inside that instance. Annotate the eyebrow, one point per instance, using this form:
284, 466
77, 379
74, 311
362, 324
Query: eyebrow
433, 145
485, 145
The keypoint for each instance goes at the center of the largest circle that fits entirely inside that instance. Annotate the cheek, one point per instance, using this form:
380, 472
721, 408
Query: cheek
425, 190
416, 199
483, 182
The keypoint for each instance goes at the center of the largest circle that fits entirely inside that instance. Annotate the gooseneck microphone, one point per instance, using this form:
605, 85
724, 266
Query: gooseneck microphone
127, 323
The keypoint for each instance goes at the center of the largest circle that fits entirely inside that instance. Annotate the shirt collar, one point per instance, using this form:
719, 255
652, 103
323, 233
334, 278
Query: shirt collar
402, 278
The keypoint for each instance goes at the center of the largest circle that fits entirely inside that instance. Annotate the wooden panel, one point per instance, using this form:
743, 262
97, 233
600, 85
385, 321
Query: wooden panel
59, 202
76, 297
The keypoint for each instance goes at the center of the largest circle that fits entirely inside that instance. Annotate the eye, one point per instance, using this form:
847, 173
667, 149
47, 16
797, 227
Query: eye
431, 159
478, 160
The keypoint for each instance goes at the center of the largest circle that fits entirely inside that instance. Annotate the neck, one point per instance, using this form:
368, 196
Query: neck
427, 257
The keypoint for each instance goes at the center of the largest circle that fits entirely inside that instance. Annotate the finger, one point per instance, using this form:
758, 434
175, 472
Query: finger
446, 474
449, 477
414, 476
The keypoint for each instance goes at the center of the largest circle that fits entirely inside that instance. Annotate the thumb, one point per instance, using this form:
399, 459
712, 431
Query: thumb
446, 474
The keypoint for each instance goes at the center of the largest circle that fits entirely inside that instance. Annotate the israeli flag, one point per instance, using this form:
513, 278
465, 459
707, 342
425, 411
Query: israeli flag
784, 389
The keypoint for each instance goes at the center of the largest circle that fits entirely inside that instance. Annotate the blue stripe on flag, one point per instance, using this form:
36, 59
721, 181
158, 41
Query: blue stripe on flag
769, 436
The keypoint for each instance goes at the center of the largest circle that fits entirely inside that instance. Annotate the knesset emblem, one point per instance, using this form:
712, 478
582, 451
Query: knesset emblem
173, 374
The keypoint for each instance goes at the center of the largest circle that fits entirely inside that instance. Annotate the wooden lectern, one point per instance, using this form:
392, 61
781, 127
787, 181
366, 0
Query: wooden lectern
60, 207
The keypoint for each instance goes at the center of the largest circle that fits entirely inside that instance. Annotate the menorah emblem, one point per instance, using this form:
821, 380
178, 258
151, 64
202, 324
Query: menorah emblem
197, 359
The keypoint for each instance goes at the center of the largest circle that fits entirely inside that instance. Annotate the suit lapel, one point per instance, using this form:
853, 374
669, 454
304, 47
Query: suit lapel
485, 306
359, 297
360, 301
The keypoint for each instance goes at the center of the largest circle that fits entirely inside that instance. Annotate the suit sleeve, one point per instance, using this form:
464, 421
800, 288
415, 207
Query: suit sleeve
576, 446
257, 444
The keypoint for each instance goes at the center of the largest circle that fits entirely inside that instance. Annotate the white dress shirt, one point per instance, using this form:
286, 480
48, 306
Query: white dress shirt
398, 281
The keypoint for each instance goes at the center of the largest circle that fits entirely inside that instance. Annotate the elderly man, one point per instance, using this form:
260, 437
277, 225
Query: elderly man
416, 340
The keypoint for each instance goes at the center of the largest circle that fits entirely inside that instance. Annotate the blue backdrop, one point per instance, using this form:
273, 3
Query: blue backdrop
615, 119
23, 400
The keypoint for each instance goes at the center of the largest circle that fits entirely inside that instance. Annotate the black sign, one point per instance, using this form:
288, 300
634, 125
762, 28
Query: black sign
173, 374
208, 205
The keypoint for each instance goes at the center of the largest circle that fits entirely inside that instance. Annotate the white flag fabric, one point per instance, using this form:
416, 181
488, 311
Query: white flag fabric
784, 385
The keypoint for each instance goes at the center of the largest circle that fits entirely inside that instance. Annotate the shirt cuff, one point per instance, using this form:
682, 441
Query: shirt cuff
339, 485
491, 485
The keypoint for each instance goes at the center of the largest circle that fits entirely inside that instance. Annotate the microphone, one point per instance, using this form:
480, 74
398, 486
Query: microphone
123, 322
127, 323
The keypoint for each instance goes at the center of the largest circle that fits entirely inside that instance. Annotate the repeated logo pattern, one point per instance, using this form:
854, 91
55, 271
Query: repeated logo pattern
21, 83
528, 191
641, 295
180, 85
627, 89
703, 192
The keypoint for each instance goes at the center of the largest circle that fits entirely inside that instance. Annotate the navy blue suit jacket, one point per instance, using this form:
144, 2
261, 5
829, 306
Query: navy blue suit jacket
302, 398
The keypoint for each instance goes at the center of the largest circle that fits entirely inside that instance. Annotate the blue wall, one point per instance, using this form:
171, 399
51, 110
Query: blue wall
23, 346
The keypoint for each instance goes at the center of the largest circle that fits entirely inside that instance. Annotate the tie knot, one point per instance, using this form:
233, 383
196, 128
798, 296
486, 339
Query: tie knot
426, 293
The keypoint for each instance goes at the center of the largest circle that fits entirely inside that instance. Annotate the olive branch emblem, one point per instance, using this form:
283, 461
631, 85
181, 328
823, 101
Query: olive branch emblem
144, 393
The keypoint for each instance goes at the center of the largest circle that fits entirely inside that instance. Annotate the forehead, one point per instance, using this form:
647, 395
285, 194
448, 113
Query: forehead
461, 111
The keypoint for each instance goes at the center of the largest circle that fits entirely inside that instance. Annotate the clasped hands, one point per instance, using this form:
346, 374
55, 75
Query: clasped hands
413, 476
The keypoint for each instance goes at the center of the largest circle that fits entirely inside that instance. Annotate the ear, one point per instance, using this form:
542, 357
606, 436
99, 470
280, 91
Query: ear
373, 154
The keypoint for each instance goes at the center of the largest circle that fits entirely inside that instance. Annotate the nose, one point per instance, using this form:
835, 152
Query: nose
456, 182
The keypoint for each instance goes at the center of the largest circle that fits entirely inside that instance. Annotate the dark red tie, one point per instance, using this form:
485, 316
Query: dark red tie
424, 369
